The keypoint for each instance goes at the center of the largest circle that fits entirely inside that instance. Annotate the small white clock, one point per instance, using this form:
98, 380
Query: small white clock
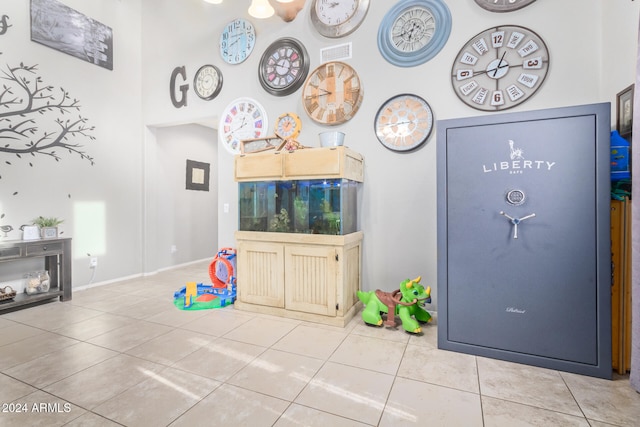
333, 18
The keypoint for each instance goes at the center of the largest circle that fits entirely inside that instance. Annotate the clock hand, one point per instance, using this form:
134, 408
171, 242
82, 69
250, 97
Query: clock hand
499, 64
244, 123
494, 69
326, 92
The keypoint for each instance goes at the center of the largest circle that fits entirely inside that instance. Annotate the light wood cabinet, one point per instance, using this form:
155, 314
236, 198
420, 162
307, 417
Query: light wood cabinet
306, 276
313, 163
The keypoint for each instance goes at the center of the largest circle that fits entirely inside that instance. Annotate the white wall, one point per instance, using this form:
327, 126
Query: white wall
186, 219
398, 198
100, 204
591, 42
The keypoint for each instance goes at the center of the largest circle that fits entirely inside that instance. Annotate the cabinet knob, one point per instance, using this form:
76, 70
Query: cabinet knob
44, 248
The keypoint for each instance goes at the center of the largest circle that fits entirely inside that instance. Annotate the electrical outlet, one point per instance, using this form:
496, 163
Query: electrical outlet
93, 262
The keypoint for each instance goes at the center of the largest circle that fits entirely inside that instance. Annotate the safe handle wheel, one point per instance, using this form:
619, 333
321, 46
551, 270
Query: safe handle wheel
516, 221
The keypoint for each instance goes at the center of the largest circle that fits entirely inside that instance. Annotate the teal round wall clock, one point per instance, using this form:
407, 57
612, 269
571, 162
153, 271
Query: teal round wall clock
414, 31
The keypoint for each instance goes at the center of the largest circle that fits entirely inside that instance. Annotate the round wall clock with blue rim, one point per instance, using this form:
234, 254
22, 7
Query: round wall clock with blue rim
414, 31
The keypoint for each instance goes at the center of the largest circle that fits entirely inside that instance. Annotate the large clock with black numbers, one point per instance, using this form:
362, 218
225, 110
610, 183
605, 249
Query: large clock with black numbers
503, 5
237, 41
244, 118
500, 68
414, 31
283, 67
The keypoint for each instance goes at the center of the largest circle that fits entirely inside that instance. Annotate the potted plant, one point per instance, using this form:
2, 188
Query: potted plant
48, 226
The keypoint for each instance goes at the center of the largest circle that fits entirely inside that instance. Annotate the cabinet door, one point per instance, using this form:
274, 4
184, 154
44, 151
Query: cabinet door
261, 273
310, 279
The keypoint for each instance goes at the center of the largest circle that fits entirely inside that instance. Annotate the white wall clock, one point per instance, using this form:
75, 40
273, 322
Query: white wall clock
500, 68
414, 31
237, 41
337, 18
243, 118
404, 122
207, 82
503, 5
283, 67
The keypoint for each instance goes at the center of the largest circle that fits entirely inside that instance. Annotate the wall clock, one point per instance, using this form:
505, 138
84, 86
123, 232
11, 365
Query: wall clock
500, 68
243, 118
288, 126
237, 41
404, 122
207, 82
283, 67
414, 31
503, 5
333, 18
332, 94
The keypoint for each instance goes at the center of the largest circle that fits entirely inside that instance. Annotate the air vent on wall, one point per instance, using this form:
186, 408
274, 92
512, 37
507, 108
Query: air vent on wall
336, 53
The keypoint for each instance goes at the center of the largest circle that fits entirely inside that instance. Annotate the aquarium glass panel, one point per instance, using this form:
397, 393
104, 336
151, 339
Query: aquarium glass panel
321, 206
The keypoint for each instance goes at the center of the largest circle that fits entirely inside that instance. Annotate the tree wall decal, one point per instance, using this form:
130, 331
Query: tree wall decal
28, 106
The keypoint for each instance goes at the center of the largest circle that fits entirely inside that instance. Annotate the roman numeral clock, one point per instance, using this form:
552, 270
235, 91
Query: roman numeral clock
500, 68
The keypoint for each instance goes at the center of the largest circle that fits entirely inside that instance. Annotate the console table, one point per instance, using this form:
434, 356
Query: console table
57, 261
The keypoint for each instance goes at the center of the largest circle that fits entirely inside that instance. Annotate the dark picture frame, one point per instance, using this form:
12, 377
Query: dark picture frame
62, 28
197, 175
624, 111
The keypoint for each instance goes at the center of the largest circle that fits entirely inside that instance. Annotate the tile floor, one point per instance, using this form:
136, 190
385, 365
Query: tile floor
122, 354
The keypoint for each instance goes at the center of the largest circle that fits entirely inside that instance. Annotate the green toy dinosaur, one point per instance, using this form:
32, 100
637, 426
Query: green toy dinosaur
405, 302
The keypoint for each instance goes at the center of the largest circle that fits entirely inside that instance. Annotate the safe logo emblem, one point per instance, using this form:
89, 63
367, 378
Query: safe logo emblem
517, 164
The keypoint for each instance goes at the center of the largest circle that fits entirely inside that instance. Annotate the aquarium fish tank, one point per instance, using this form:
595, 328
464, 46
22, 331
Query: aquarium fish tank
317, 206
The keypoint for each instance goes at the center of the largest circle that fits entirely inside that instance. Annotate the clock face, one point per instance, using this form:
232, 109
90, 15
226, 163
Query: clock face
332, 94
337, 18
244, 118
503, 5
237, 41
283, 67
414, 31
500, 68
404, 122
207, 82
288, 126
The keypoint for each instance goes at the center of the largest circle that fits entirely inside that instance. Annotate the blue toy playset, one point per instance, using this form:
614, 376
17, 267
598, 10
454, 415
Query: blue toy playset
223, 291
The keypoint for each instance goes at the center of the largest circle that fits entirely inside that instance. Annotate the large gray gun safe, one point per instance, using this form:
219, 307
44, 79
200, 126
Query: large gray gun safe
524, 251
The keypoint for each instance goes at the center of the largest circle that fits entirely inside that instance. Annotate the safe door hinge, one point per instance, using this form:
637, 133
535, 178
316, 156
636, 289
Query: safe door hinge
337, 306
337, 257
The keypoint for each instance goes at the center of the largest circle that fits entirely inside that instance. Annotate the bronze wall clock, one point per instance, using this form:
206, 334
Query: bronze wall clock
244, 118
500, 68
503, 5
332, 93
237, 41
283, 67
337, 18
404, 122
